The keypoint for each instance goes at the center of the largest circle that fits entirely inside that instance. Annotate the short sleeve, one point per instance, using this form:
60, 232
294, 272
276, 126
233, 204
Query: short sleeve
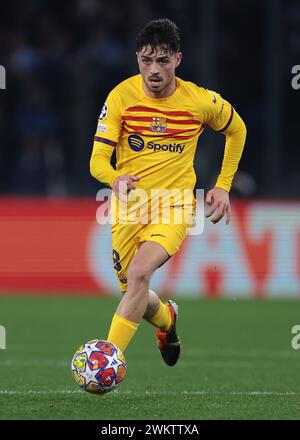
216, 111
109, 122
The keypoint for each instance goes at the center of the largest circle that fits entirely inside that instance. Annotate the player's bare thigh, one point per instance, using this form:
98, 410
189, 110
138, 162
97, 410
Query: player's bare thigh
146, 260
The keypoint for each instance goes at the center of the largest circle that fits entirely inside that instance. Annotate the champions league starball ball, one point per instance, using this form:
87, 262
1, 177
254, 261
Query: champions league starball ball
98, 366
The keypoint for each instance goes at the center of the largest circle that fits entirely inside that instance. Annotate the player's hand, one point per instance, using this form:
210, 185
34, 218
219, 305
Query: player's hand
218, 200
123, 185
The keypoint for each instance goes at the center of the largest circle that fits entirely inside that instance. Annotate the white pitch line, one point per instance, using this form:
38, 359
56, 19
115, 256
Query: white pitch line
214, 393
201, 363
154, 393
246, 393
36, 392
183, 364
34, 363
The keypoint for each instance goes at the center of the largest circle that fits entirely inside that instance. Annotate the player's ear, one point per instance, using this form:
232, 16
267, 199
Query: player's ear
178, 58
137, 58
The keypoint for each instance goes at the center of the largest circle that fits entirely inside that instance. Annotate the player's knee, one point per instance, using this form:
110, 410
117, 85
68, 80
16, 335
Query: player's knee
139, 273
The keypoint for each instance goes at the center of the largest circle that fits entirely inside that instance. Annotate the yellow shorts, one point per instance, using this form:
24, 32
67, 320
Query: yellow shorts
126, 239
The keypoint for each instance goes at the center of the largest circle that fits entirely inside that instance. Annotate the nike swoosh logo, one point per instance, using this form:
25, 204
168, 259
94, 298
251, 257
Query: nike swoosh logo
214, 99
157, 235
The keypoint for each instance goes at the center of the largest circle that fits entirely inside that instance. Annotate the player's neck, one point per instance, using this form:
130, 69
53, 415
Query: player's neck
165, 93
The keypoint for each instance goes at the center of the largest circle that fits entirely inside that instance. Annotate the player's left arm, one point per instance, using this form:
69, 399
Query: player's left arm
223, 118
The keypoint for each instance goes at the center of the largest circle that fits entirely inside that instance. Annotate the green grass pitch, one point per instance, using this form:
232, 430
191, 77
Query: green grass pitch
237, 362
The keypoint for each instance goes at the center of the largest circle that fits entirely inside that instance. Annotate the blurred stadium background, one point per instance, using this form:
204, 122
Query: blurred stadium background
61, 60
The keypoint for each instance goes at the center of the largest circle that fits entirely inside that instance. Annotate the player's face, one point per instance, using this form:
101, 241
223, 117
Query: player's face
158, 70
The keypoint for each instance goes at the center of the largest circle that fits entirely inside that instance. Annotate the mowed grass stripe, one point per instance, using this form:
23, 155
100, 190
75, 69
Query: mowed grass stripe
42, 363
237, 362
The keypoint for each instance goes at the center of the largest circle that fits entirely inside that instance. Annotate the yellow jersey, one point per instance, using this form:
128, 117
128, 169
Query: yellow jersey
156, 138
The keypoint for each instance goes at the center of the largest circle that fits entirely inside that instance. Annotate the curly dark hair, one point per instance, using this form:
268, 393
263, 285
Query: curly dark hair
159, 33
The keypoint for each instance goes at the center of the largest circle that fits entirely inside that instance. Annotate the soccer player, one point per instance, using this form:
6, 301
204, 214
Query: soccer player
154, 120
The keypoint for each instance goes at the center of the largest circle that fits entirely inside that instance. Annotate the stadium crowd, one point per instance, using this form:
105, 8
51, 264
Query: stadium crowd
62, 59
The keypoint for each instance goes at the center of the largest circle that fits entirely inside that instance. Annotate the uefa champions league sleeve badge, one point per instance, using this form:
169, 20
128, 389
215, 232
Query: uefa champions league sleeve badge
104, 112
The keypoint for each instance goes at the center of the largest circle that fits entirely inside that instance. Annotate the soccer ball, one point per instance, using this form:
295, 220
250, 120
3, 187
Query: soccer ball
98, 366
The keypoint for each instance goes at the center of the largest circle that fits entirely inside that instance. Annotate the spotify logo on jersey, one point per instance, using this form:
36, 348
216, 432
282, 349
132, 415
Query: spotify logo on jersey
135, 142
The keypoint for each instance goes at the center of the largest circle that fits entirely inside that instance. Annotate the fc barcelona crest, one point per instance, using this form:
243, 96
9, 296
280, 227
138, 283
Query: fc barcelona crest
158, 125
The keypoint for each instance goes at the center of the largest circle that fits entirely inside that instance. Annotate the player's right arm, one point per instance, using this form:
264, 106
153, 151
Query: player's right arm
105, 140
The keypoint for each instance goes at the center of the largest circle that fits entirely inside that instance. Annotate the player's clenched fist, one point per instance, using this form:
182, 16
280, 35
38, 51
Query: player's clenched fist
124, 184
